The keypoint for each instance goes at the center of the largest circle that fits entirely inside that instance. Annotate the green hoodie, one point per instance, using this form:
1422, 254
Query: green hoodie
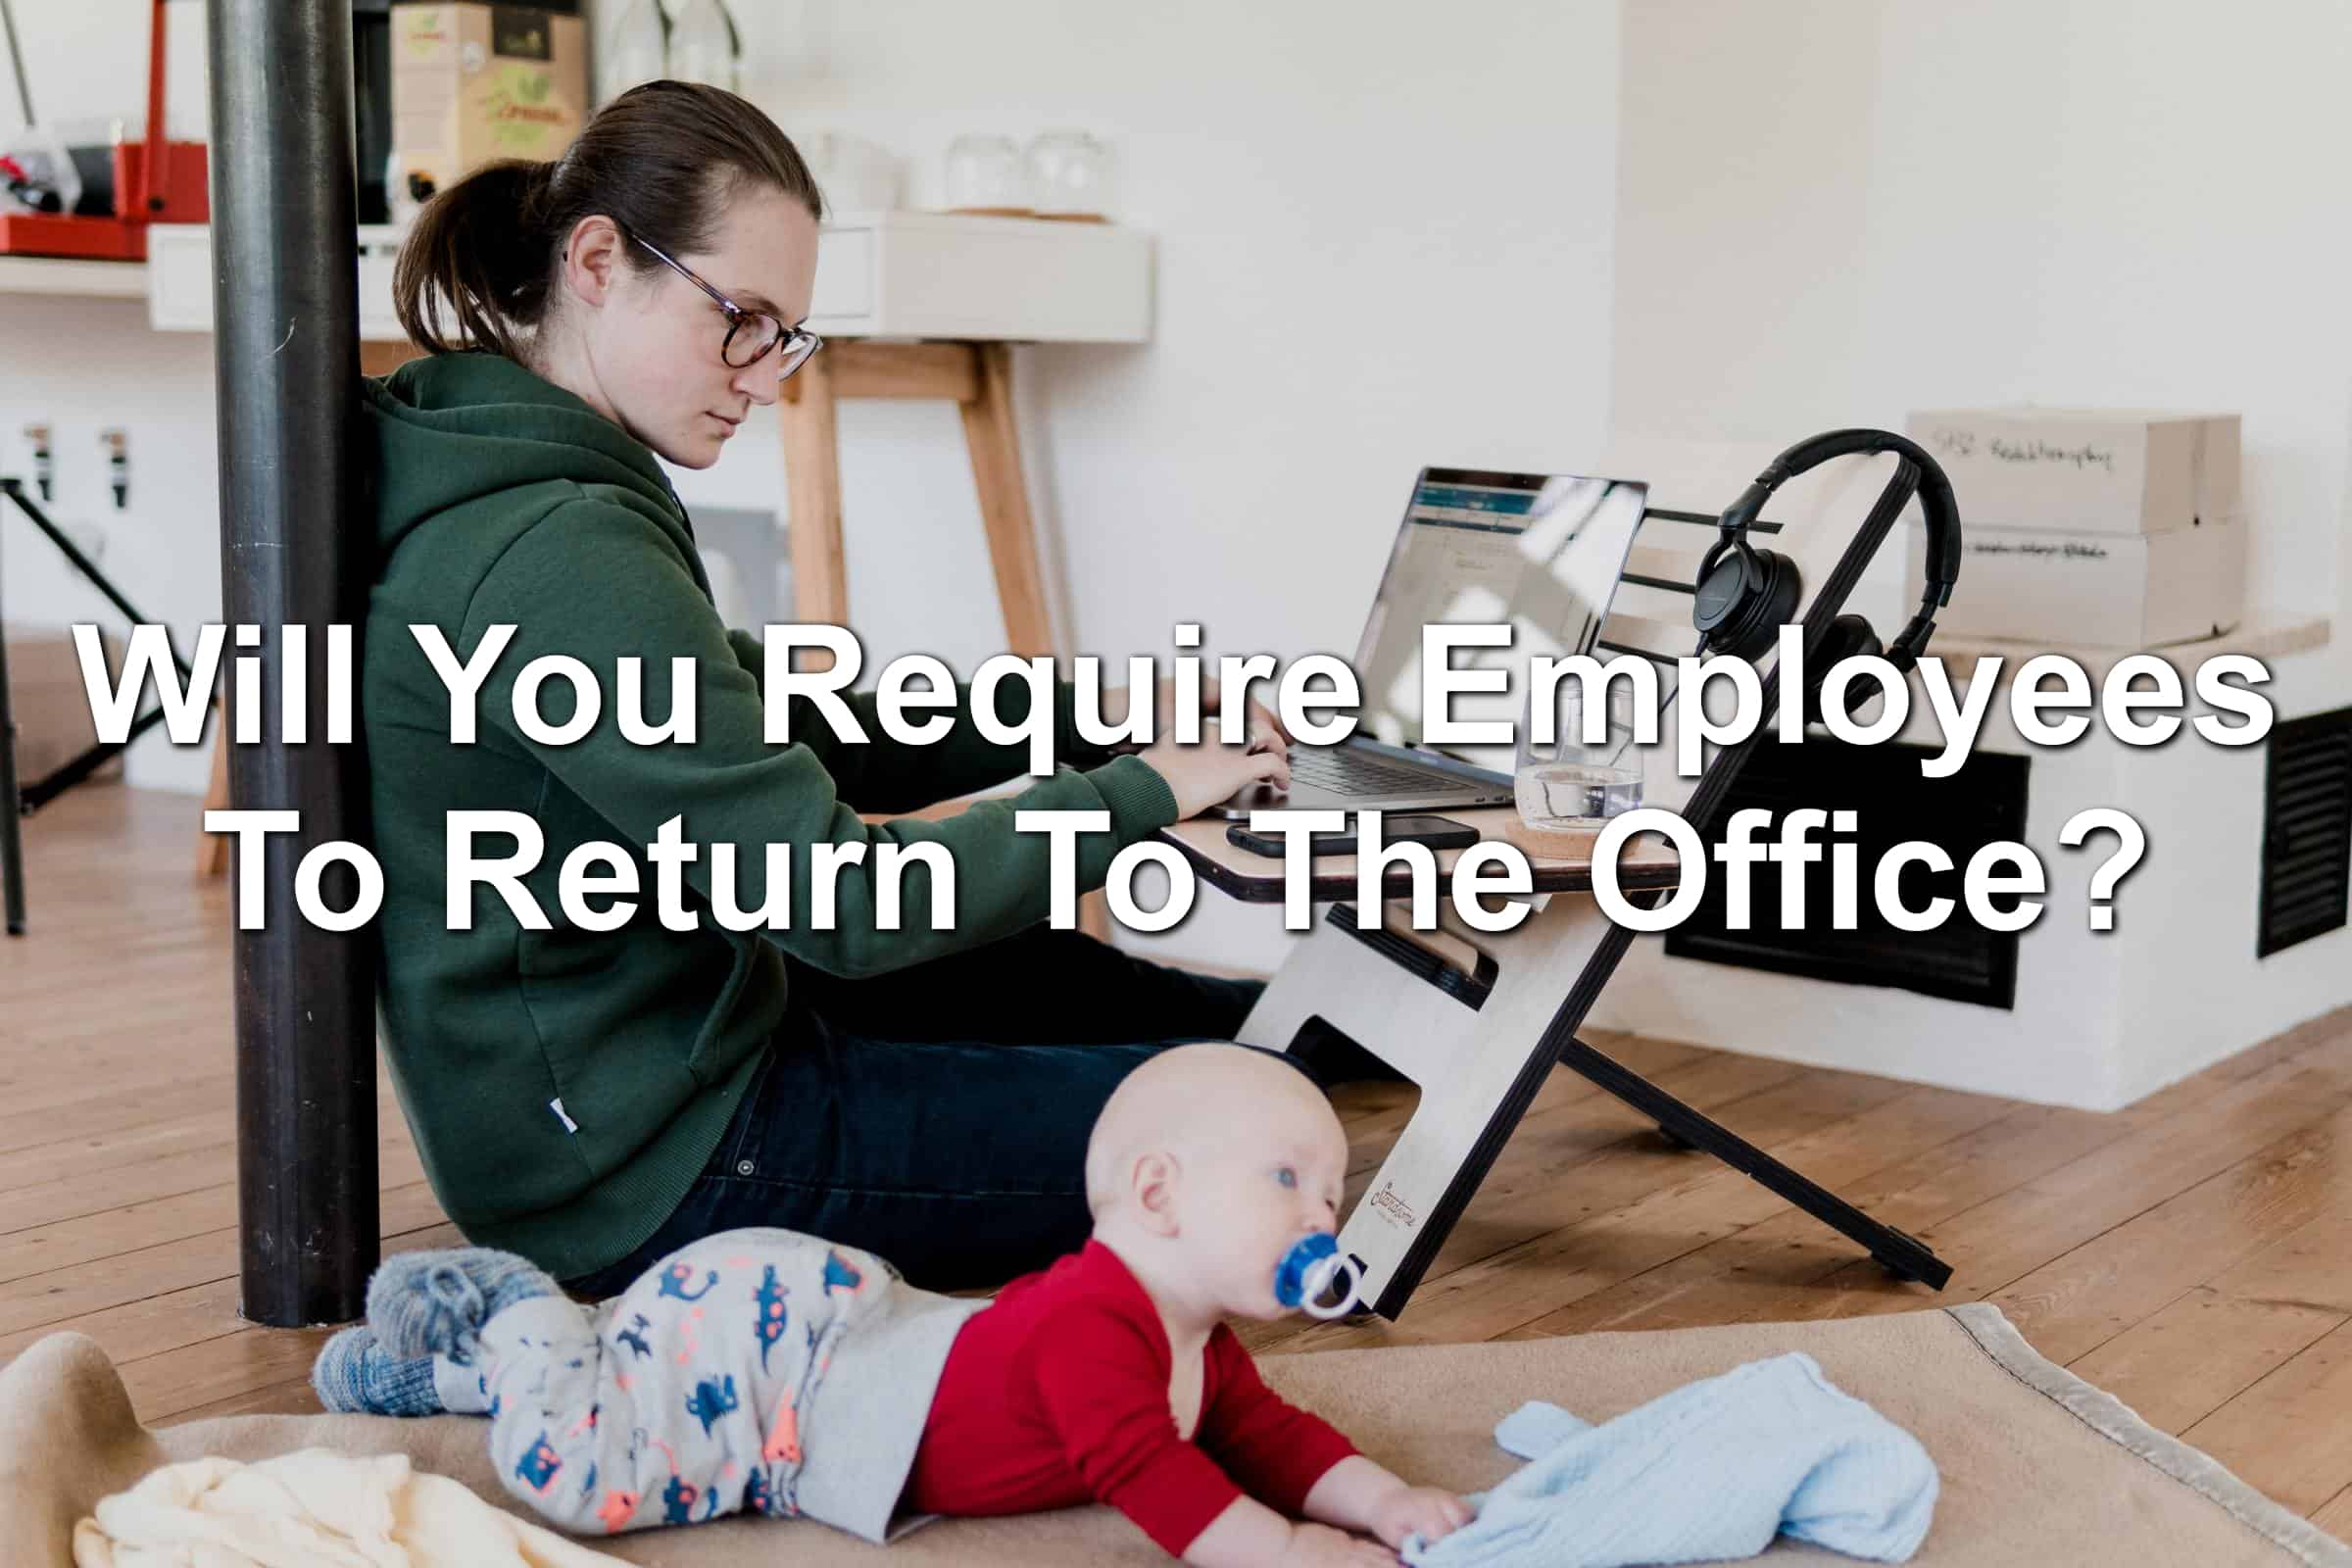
565, 1086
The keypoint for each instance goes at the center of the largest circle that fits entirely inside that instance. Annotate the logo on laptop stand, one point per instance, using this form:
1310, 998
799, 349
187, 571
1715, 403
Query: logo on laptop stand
1390, 1207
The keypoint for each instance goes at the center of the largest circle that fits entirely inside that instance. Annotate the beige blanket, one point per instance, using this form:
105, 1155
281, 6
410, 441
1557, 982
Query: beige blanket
316, 1508
2037, 1466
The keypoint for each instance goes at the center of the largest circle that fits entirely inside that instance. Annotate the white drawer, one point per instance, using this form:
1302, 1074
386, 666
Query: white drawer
905, 274
845, 276
179, 278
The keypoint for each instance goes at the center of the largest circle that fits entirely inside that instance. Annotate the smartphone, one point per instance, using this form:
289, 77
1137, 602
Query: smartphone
1437, 832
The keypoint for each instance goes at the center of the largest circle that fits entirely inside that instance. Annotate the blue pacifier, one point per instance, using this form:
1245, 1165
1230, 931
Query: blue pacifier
1309, 1272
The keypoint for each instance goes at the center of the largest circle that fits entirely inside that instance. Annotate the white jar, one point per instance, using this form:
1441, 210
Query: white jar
988, 175
1069, 175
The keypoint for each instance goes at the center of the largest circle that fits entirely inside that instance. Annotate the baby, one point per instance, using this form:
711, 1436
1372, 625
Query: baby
1108, 1376
1111, 1376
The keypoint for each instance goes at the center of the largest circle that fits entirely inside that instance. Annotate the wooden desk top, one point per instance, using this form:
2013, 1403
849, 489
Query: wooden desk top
1561, 862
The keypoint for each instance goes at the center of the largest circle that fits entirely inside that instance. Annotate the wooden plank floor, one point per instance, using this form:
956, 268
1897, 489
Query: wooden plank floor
2193, 1253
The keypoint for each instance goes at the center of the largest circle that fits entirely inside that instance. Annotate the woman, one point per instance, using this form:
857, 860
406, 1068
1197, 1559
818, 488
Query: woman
594, 1095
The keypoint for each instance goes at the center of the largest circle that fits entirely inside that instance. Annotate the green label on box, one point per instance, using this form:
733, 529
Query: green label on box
520, 33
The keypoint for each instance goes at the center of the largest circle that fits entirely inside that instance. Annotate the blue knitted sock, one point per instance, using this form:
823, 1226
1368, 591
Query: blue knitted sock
435, 1303
356, 1373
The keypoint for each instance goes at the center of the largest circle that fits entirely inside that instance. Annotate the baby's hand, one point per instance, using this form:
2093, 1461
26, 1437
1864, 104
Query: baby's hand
1321, 1547
1425, 1512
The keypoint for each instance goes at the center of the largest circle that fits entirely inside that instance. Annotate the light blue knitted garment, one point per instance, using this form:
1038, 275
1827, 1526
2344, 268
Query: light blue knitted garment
1713, 1470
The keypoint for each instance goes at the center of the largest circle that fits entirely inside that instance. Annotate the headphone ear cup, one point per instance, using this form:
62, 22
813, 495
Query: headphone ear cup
1748, 628
1849, 637
1782, 587
1719, 599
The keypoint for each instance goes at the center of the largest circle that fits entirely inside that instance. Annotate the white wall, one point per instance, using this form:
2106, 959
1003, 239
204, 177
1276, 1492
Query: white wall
1836, 210
87, 60
1831, 211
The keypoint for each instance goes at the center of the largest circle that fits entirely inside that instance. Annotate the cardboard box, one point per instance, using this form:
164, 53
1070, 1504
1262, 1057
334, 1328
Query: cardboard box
2085, 470
2095, 590
472, 84
46, 699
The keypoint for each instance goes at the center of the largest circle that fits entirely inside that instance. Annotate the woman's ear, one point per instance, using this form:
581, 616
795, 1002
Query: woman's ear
1155, 1179
592, 258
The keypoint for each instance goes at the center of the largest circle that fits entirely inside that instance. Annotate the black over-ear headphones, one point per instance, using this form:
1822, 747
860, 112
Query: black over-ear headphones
1745, 595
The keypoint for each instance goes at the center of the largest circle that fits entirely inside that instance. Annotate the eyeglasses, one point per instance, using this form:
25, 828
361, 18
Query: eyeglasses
752, 335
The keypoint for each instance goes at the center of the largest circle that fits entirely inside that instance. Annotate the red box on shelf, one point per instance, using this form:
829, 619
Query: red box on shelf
179, 198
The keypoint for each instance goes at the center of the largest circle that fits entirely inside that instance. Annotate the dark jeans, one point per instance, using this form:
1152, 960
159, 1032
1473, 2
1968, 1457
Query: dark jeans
938, 1116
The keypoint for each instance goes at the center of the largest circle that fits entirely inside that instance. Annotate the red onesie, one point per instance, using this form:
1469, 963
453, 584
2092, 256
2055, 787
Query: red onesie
1058, 1394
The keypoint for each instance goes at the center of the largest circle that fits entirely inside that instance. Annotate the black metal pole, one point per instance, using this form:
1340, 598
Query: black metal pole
285, 308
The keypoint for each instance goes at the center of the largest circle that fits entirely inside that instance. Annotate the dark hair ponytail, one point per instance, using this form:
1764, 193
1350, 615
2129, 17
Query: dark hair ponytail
661, 161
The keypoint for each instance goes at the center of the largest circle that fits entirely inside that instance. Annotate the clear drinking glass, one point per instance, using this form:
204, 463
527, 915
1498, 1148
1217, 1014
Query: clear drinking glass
1572, 782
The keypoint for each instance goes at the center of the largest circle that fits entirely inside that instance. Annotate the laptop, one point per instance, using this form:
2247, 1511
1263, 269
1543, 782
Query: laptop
1541, 552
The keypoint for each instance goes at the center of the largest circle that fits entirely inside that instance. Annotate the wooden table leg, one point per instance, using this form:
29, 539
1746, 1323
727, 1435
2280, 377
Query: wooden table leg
820, 580
990, 433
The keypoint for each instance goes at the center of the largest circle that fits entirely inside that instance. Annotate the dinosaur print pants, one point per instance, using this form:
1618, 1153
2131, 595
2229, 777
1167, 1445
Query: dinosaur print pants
680, 1399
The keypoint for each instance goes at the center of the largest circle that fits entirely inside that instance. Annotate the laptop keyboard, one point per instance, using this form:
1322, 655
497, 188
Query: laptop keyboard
1344, 771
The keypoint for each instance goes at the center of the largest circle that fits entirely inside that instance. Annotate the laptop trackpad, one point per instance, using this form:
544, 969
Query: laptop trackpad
1255, 798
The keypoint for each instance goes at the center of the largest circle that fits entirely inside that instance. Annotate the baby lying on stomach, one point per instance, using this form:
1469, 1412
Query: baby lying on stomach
770, 1371
1112, 1377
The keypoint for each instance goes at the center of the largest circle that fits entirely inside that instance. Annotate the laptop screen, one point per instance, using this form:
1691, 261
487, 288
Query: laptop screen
1540, 553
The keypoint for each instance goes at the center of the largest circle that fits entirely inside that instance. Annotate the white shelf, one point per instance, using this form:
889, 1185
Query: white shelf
64, 275
179, 280
891, 275
957, 276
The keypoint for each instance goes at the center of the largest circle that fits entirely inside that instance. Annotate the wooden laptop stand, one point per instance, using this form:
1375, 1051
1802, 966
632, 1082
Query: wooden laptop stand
1481, 1030
1477, 1020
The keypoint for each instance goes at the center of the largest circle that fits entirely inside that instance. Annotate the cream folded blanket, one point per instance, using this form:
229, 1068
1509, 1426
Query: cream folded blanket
313, 1509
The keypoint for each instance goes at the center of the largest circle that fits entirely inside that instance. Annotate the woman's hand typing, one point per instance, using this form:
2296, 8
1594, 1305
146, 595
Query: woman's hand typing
1203, 773
1265, 724
1200, 776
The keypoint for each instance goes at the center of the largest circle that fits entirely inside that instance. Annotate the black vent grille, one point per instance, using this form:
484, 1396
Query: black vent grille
2306, 830
1892, 802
